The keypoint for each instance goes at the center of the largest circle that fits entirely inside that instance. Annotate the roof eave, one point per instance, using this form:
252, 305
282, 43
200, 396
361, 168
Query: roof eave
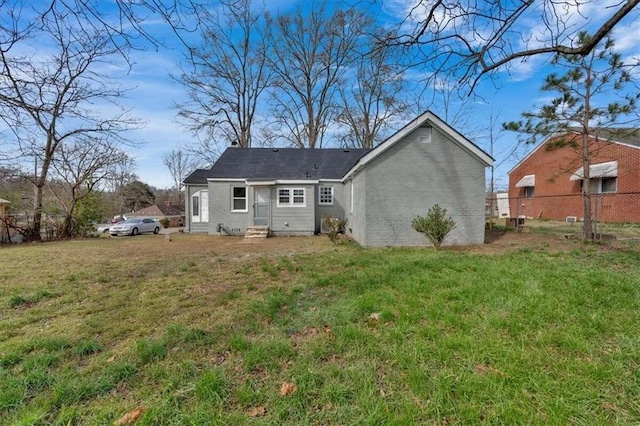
558, 134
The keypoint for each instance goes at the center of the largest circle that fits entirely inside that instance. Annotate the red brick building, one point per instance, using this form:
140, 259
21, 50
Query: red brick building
547, 184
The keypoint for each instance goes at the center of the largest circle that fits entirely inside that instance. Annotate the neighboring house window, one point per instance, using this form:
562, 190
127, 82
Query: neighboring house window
288, 197
602, 185
529, 191
239, 199
200, 206
325, 195
528, 183
609, 184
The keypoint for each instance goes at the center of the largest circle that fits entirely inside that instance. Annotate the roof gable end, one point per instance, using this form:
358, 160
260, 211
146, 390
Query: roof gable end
427, 118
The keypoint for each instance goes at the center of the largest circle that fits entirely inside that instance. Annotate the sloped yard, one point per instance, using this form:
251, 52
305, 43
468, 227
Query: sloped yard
531, 328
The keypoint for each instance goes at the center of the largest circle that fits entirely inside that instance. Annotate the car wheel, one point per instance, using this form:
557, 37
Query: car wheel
106, 231
135, 231
157, 230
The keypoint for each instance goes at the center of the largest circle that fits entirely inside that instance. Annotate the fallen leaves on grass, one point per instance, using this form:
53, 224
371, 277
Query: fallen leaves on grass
288, 388
258, 411
130, 417
219, 358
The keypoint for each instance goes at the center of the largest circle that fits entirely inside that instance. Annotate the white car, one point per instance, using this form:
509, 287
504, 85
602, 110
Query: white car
103, 228
135, 227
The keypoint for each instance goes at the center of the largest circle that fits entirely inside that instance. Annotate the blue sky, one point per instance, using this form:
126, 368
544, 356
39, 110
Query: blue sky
154, 92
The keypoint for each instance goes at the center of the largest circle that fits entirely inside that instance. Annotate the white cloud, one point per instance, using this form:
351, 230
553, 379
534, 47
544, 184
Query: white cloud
626, 38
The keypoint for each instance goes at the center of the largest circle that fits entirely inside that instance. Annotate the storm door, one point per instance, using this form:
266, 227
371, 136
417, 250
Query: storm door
261, 205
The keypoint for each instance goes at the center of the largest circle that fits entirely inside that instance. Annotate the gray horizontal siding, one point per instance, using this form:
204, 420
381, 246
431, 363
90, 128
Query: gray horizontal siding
293, 220
220, 202
338, 208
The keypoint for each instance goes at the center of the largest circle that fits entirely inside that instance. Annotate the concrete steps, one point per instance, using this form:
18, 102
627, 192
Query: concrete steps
257, 232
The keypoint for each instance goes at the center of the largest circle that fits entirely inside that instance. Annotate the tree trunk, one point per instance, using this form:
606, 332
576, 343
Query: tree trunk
34, 234
587, 227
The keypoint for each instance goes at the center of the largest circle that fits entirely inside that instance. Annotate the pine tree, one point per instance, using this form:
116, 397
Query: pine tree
580, 105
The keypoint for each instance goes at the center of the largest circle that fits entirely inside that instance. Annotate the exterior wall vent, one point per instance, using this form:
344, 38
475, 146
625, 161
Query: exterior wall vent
571, 219
425, 134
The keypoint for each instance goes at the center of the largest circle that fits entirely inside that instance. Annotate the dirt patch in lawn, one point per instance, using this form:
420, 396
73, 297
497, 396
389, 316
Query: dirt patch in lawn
498, 242
227, 246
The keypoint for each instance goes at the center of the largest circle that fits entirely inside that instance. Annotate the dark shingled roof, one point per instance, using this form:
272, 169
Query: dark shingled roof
627, 135
197, 176
280, 163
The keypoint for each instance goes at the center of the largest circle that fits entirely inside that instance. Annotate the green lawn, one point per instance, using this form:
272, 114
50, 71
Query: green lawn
205, 330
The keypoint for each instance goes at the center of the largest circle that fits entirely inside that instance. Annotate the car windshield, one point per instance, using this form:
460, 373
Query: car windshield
132, 221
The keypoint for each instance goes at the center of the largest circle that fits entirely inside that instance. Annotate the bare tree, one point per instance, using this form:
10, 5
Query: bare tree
227, 74
577, 107
309, 55
372, 102
445, 97
124, 20
119, 175
46, 98
180, 164
473, 38
78, 167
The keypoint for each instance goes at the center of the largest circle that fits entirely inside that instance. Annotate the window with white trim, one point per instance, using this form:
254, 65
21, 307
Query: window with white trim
291, 197
239, 199
284, 196
325, 195
298, 196
195, 205
200, 206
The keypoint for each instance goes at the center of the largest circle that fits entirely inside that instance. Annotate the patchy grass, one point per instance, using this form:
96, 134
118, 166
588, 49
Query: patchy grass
619, 230
205, 330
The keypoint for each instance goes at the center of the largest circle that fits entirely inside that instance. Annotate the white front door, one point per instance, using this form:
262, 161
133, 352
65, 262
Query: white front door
261, 205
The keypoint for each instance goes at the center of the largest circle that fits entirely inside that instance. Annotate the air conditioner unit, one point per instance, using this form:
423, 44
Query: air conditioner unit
571, 219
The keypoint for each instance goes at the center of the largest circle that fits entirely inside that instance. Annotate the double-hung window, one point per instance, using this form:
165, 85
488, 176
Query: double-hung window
239, 199
291, 197
325, 195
